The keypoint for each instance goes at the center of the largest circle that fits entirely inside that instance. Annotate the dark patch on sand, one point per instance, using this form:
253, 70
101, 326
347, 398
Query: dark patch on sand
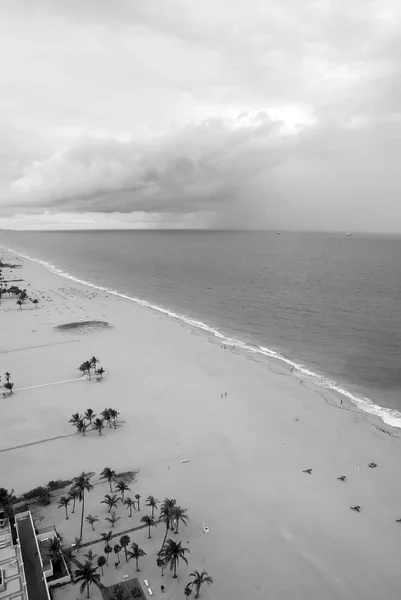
83, 326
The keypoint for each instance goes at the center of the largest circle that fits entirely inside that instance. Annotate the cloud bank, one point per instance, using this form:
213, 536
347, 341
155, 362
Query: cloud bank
169, 113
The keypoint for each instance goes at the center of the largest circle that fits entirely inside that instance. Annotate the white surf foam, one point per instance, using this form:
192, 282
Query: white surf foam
389, 416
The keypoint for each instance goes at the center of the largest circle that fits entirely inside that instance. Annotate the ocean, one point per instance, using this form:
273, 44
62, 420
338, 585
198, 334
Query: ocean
328, 305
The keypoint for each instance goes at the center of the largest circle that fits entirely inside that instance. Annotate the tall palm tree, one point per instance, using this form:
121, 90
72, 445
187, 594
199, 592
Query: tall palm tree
136, 553
147, 520
152, 502
82, 484
179, 515
122, 487
166, 516
111, 501
124, 542
92, 520
82, 427
54, 547
138, 497
113, 518
109, 475
107, 550
7, 375
64, 502
90, 556
199, 580
117, 549
86, 575
98, 424
107, 536
130, 503
172, 553
90, 415
85, 367
101, 561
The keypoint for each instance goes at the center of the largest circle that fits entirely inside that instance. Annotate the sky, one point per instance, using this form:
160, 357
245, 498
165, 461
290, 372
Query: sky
213, 114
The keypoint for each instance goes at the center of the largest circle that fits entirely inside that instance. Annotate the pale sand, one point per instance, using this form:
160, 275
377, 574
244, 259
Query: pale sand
275, 532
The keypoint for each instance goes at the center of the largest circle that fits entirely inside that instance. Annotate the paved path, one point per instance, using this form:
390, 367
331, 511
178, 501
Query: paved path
119, 534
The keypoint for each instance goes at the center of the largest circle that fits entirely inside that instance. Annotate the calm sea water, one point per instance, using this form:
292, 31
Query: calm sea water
328, 303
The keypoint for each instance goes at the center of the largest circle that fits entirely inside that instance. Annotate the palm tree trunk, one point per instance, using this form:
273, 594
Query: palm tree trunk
125, 552
149, 533
175, 570
153, 512
66, 513
88, 590
93, 529
137, 568
73, 507
102, 571
130, 510
165, 536
111, 491
82, 516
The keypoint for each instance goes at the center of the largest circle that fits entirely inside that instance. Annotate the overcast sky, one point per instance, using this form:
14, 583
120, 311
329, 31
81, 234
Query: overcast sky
200, 113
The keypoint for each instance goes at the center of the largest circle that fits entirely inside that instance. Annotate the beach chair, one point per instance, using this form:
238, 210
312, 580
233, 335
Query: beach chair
150, 592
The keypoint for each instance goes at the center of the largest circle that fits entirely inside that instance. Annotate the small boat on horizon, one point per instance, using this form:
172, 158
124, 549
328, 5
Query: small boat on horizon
278, 232
348, 234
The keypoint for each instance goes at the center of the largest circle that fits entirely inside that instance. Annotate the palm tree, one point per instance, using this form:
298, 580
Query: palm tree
107, 536
122, 487
54, 548
117, 550
68, 554
187, 591
86, 575
7, 375
113, 519
91, 520
90, 415
136, 553
99, 372
82, 427
106, 415
75, 419
161, 564
108, 474
179, 515
199, 580
138, 497
107, 550
93, 362
73, 495
85, 367
90, 556
111, 501
113, 415
129, 502
82, 484
19, 302
99, 426
149, 522
77, 544
172, 553
101, 561
124, 542
35, 302
64, 502
152, 502
166, 515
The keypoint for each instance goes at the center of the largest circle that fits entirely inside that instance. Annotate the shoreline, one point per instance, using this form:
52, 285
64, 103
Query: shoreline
389, 416
249, 429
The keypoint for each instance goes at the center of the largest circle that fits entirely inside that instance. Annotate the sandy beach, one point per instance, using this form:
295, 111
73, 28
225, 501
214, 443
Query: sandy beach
248, 427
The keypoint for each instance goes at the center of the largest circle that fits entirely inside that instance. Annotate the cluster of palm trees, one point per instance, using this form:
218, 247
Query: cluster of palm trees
172, 514
89, 420
87, 366
8, 385
15, 292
